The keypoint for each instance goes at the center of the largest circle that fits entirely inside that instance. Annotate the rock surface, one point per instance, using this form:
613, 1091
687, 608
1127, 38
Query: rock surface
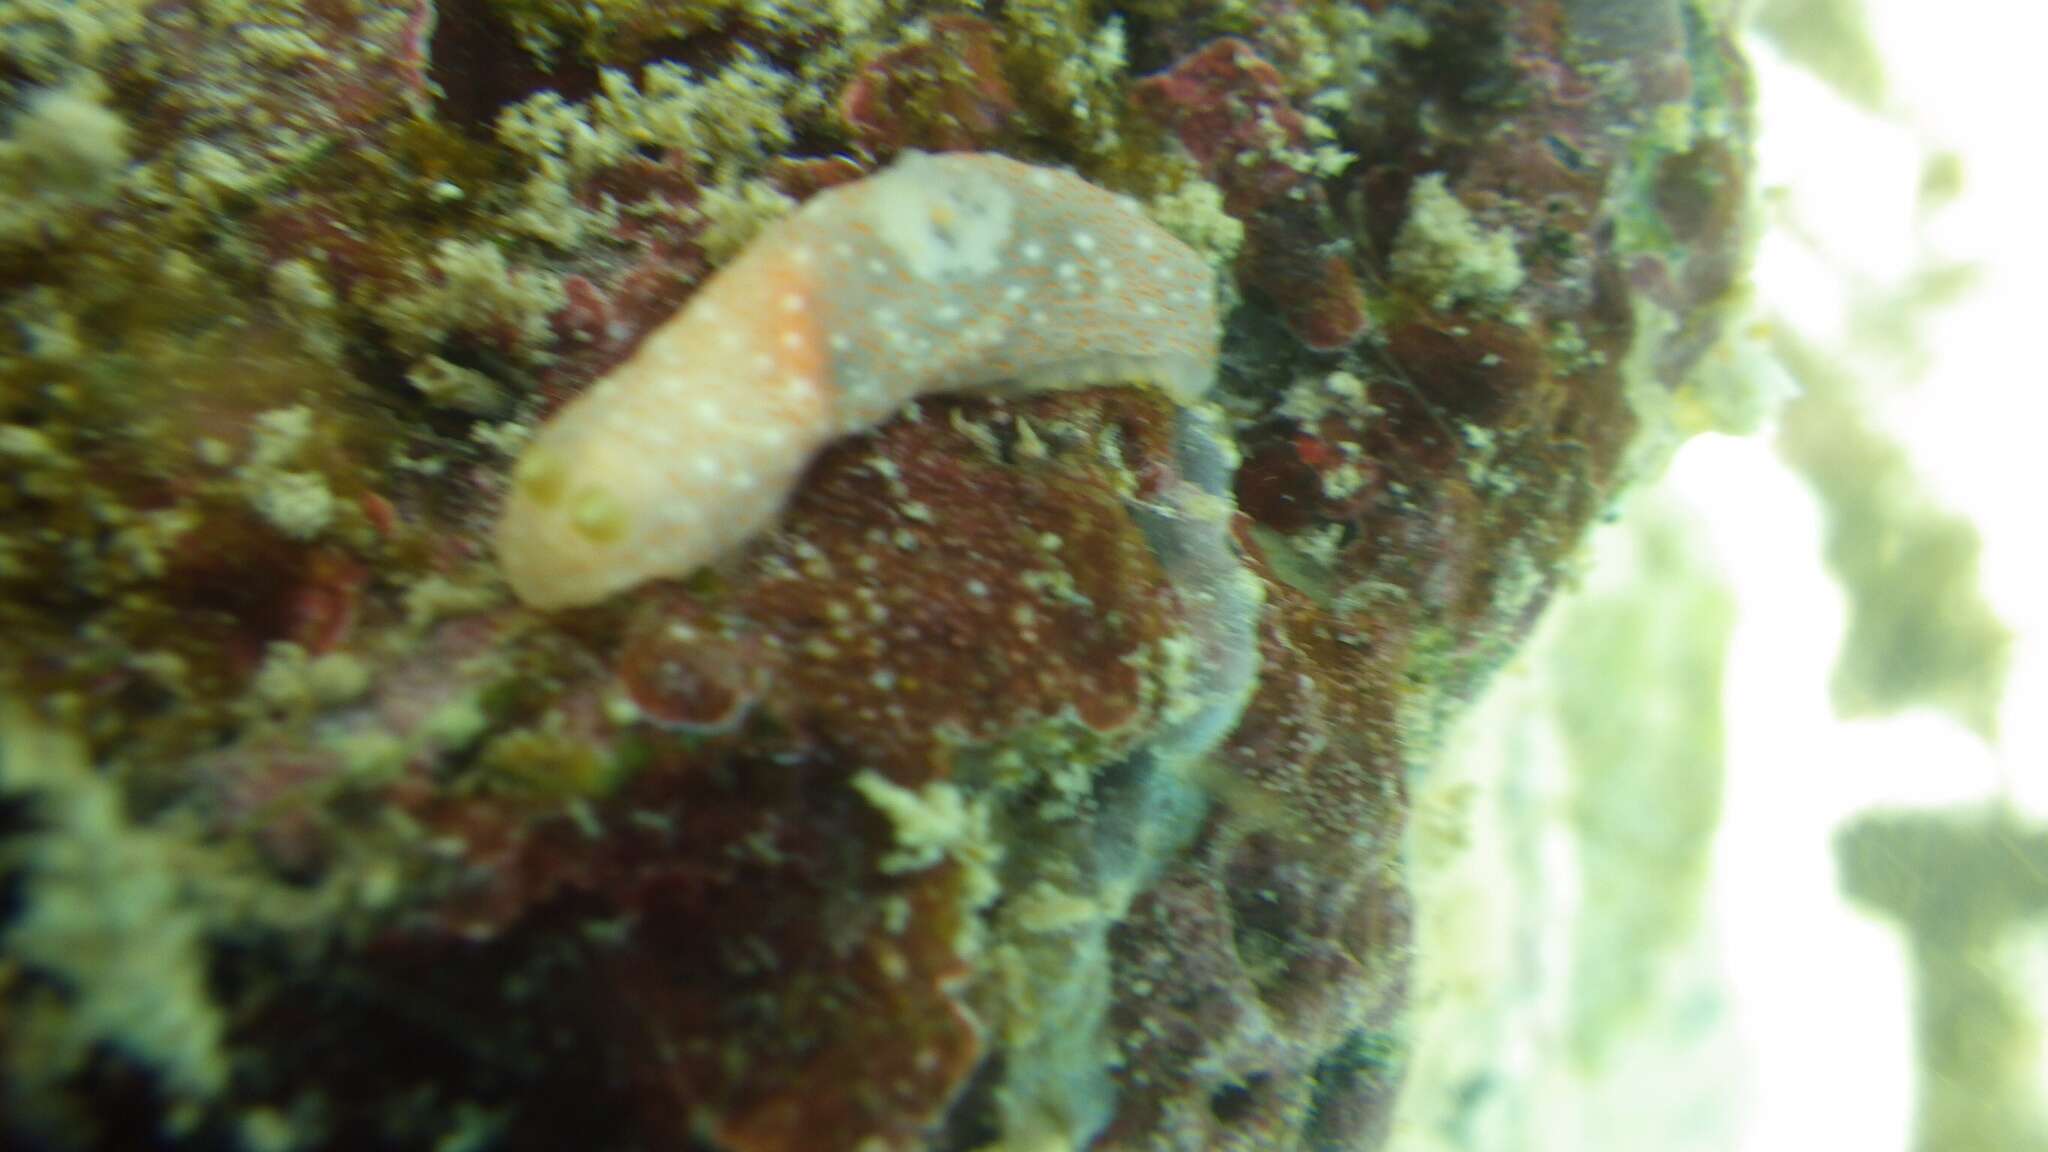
1023, 788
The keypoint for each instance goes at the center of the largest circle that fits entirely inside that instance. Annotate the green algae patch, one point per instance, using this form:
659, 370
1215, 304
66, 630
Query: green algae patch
1920, 631
1969, 889
107, 948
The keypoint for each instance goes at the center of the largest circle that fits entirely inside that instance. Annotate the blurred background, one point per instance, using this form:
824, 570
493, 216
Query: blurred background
1801, 899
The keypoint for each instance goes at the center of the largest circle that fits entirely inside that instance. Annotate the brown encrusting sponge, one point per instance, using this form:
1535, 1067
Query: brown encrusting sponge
762, 577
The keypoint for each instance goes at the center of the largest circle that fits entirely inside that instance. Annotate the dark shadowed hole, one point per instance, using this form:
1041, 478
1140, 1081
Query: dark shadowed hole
14, 824
972, 1121
479, 67
1236, 1103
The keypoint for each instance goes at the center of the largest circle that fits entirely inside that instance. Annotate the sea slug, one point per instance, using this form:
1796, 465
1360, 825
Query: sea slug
943, 273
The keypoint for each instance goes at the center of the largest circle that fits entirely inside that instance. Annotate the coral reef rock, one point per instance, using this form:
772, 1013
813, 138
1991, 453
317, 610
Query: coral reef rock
1036, 779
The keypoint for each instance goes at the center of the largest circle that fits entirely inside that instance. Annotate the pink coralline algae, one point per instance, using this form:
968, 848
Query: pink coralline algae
1229, 110
946, 272
944, 93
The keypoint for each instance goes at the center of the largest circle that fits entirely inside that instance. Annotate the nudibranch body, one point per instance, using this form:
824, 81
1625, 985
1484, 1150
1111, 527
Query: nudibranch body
943, 273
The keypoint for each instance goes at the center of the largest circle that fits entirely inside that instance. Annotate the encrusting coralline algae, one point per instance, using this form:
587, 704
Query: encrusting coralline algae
943, 273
